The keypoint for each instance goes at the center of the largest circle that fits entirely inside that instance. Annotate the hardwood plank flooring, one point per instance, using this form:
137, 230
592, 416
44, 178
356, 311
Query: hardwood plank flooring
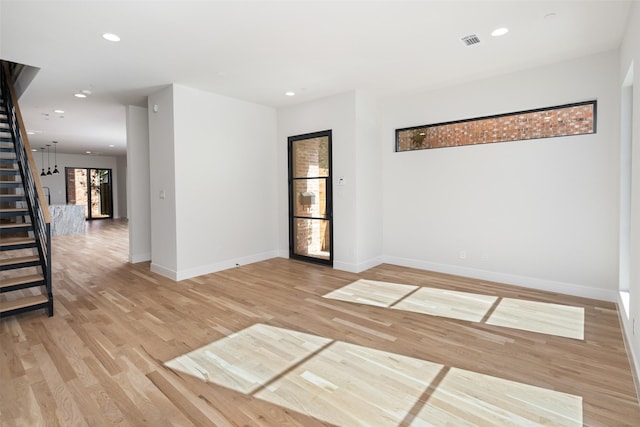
100, 359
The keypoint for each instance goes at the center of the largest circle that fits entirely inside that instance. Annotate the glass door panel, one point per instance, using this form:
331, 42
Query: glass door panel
310, 213
92, 189
100, 193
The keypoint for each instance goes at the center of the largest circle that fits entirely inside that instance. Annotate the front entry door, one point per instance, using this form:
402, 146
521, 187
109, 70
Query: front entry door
310, 202
91, 188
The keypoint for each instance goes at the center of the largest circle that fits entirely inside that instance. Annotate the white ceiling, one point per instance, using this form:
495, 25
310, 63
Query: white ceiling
257, 50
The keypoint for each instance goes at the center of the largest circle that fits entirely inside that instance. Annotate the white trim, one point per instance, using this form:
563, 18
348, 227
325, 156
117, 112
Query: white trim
359, 267
139, 258
224, 265
510, 279
627, 335
345, 266
163, 271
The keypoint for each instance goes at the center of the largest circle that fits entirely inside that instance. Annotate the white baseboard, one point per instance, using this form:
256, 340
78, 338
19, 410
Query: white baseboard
135, 258
164, 271
627, 336
224, 265
509, 279
357, 267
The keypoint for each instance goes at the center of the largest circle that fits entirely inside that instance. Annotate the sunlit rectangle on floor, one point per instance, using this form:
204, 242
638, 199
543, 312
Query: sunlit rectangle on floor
250, 358
466, 398
553, 319
371, 292
532, 316
446, 303
349, 385
346, 384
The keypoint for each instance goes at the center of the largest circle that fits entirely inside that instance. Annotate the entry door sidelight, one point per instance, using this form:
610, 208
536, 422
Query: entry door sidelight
310, 201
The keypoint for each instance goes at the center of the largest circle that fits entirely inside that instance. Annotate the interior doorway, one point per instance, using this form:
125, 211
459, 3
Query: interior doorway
310, 198
92, 188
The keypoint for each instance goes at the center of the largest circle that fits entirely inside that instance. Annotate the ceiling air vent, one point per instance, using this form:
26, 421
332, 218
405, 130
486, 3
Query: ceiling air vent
470, 40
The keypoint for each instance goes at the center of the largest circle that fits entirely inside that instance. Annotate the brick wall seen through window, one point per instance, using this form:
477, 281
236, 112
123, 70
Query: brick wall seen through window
563, 120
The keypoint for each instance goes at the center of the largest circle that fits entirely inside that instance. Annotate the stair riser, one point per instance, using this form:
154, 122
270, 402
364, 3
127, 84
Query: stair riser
19, 227
22, 286
13, 214
45, 305
20, 265
15, 247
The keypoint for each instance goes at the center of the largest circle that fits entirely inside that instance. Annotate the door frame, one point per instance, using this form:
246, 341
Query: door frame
329, 196
89, 169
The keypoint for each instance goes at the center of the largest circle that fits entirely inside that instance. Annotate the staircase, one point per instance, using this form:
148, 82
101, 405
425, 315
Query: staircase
25, 233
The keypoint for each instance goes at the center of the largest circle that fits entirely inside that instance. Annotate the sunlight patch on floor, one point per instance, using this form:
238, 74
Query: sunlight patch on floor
552, 319
446, 303
347, 384
247, 360
371, 292
466, 398
541, 317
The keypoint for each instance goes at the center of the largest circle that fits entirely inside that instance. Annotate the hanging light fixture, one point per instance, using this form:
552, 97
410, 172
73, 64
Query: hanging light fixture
48, 160
55, 158
43, 174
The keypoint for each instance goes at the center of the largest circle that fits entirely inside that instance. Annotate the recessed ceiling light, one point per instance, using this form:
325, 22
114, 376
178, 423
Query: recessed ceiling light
79, 95
111, 37
111, 145
30, 132
499, 32
86, 91
88, 152
290, 93
58, 111
34, 150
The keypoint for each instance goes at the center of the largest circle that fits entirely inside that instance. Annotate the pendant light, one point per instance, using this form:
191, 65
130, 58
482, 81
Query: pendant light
48, 160
55, 158
43, 174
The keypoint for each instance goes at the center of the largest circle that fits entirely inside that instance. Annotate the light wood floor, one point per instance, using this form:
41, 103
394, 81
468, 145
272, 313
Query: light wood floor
100, 361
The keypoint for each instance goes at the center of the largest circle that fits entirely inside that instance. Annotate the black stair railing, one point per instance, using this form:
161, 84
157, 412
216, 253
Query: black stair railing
34, 195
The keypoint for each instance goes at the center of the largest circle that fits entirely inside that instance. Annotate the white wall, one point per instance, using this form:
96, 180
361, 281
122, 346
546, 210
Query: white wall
540, 213
338, 114
162, 186
357, 219
56, 183
224, 170
138, 183
630, 54
368, 184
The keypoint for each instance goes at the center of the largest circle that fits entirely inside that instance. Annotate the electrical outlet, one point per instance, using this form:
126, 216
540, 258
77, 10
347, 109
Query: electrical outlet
463, 255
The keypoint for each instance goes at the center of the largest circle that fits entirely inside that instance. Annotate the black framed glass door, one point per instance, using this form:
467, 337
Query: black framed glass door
92, 188
310, 198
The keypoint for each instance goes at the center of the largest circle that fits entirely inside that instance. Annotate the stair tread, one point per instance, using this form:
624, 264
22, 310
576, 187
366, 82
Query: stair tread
18, 260
16, 241
21, 225
22, 302
20, 280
